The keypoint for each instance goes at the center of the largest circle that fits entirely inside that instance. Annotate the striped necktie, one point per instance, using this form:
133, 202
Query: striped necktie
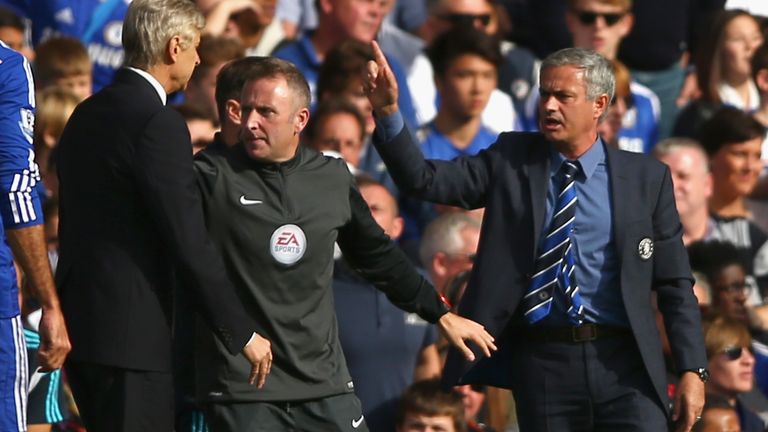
556, 264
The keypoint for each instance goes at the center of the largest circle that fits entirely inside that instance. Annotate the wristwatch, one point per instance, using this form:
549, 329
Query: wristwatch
703, 373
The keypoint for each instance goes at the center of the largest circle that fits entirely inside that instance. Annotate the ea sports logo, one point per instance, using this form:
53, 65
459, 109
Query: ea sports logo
288, 244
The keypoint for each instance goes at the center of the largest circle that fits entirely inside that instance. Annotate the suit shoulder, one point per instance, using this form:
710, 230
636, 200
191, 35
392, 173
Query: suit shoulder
314, 159
639, 166
210, 158
518, 142
520, 138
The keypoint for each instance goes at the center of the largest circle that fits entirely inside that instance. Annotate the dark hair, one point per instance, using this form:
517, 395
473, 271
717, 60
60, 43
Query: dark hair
194, 112
760, 59
711, 257
342, 65
462, 41
9, 19
709, 68
713, 401
428, 398
328, 108
728, 126
213, 51
230, 82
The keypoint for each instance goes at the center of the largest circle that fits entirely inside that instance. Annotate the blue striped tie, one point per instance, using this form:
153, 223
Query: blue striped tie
556, 264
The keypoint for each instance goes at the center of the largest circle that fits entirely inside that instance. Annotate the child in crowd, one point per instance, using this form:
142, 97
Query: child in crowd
425, 406
63, 62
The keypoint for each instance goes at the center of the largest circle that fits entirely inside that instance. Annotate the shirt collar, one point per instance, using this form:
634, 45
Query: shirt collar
153, 81
588, 161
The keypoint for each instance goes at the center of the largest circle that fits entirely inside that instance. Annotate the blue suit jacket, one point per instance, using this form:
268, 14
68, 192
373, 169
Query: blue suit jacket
510, 180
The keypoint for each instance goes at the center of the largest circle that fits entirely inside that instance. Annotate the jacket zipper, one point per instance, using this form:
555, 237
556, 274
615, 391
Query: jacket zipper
284, 199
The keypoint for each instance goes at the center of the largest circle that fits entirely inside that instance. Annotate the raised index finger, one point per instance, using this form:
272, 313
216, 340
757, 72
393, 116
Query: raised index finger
378, 54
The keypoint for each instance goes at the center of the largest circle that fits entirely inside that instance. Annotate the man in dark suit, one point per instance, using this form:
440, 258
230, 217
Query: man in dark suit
575, 238
130, 216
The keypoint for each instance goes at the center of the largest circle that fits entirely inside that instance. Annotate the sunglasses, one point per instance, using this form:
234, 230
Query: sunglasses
466, 20
734, 352
589, 18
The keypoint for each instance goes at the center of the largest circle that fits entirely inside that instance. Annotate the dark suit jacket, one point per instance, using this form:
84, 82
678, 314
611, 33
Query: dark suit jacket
129, 216
510, 180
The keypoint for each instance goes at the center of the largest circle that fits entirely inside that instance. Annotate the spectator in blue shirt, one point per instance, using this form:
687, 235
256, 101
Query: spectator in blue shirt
338, 21
466, 71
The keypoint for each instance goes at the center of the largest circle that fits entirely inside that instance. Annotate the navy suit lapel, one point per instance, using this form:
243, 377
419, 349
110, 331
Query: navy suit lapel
620, 190
537, 171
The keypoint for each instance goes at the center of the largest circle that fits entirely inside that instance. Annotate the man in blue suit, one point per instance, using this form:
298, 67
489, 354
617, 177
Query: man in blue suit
576, 238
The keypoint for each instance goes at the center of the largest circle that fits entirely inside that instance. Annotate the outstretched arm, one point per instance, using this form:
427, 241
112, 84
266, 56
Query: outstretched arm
371, 253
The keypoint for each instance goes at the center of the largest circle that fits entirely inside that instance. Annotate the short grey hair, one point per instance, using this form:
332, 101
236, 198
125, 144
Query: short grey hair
668, 146
444, 235
150, 24
598, 71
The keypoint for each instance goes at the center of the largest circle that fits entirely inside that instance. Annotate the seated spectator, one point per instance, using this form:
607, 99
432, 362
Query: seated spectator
499, 114
466, 63
214, 53
731, 367
718, 416
425, 407
448, 247
63, 62
723, 265
340, 76
723, 69
732, 140
337, 129
250, 22
689, 166
339, 21
386, 349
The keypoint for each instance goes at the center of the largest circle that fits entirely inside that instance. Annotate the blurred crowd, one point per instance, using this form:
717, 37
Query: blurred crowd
692, 90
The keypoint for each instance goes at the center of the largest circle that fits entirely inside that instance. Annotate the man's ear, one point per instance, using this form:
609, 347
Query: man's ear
601, 105
325, 6
302, 118
173, 48
626, 24
397, 228
233, 111
761, 80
